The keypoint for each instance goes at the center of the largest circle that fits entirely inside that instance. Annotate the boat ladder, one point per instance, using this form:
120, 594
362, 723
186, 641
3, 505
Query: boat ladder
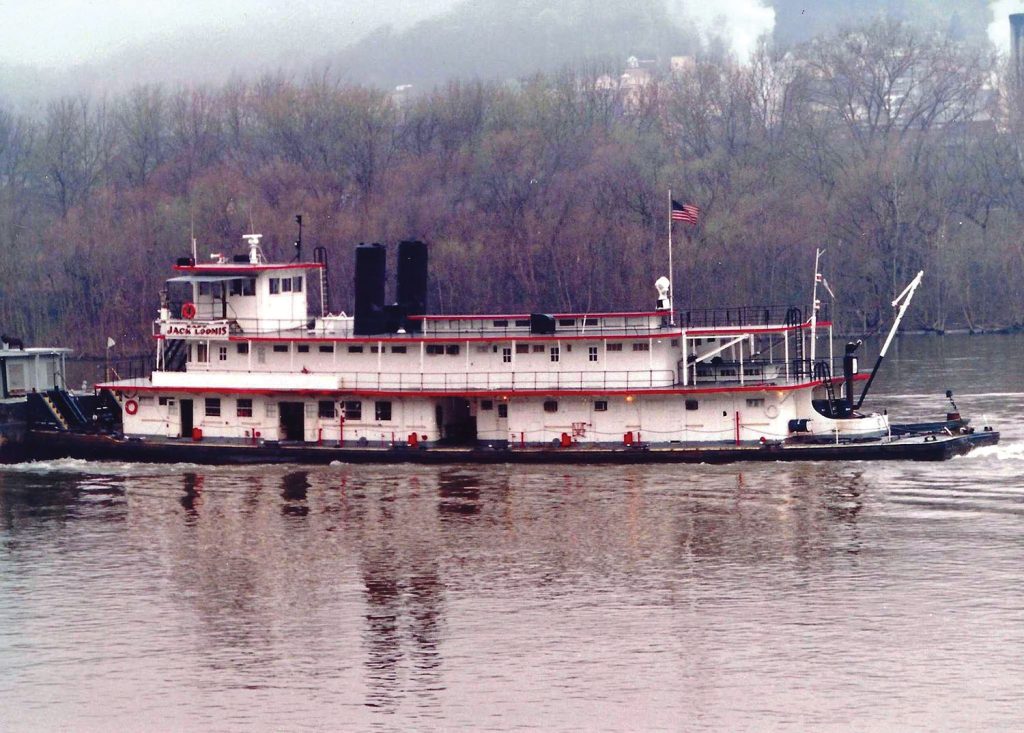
55, 411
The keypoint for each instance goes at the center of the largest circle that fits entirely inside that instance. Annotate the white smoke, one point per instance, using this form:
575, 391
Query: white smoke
999, 26
740, 23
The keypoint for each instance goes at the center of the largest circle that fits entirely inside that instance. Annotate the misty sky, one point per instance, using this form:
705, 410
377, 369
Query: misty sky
60, 33
63, 33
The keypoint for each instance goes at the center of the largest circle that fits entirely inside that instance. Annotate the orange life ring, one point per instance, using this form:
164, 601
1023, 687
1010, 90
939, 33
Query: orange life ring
131, 407
188, 310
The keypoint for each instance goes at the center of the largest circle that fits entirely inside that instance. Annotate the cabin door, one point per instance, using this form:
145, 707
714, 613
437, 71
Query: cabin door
293, 425
186, 418
458, 425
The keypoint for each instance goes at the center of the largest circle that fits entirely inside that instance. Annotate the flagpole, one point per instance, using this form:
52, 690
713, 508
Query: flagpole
671, 275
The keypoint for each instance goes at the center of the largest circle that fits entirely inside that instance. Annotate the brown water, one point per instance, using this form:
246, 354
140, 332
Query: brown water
850, 596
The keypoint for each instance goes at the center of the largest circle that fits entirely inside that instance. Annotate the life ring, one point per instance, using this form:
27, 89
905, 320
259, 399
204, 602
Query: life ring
188, 311
131, 407
771, 411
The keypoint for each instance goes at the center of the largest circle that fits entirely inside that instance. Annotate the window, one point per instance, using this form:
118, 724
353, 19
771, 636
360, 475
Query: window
502, 410
286, 284
327, 349
398, 349
641, 346
353, 410
244, 286
755, 402
691, 405
522, 348
566, 321
374, 349
589, 321
592, 353
325, 409
600, 405
222, 353
302, 348
613, 347
213, 406
202, 351
435, 349
243, 407
551, 406
451, 349
538, 348
486, 404
261, 354
275, 285
271, 408
501, 324
554, 353
675, 343
281, 348
297, 283
166, 401
521, 322
355, 349
204, 288
242, 348
382, 410
506, 355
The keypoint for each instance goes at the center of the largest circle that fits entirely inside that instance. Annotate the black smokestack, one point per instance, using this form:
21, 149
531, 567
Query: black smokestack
412, 282
371, 273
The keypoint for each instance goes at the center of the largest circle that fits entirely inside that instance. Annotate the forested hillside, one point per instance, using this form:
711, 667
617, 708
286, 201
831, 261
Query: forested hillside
894, 149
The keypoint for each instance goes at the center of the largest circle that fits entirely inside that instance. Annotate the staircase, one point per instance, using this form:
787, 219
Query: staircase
55, 413
794, 318
320, 256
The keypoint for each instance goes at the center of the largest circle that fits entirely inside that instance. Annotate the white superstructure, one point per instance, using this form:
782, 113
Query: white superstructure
241, 358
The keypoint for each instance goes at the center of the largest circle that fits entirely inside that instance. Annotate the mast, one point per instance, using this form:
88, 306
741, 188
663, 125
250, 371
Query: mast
814, 307
903, 301
671, 275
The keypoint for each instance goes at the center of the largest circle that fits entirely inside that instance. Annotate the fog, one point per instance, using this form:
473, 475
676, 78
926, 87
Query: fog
63, 33
67, 47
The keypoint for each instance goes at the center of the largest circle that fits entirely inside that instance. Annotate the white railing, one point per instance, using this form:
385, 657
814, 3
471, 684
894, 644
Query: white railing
451, 382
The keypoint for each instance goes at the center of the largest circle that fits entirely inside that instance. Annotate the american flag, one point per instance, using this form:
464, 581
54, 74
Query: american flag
684, 212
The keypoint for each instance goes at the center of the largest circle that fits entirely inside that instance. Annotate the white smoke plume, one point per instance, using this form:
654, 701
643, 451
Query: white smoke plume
999, 26
741, 23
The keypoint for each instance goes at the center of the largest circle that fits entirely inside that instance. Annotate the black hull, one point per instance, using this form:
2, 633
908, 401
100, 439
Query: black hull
47, 445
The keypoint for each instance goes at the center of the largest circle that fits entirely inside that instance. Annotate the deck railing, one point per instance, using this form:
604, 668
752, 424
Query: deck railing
456, 327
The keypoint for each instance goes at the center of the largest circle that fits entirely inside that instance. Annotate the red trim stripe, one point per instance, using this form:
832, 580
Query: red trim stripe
657, 391
242, 267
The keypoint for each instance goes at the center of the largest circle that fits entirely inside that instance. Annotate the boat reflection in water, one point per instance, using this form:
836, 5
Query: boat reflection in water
509, 596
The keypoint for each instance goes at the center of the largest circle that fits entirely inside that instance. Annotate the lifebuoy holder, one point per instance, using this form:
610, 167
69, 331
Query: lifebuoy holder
188, 311
131, 407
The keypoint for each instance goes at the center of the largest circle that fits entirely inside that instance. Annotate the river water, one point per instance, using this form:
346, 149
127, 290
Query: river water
821, 596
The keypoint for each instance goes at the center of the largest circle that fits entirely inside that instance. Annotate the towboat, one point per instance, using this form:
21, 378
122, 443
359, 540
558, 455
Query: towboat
245, 372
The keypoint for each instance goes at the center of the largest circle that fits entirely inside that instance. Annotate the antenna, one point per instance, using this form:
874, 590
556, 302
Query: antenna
298, 242
192, 232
